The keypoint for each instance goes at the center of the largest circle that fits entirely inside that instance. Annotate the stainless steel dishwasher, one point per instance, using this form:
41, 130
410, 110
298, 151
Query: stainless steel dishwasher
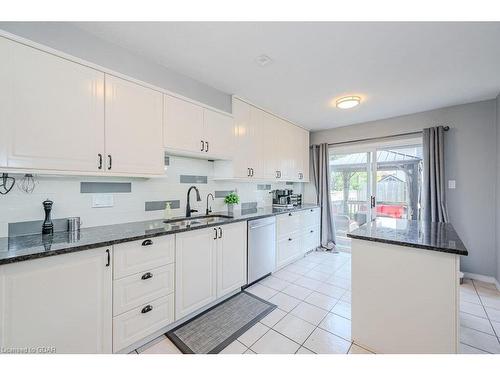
261, 248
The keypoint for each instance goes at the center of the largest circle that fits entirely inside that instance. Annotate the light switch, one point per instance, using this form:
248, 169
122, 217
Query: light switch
452, 184
102, 200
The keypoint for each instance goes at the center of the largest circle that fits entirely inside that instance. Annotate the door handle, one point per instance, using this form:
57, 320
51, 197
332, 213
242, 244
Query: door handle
220, 232
110, 162
147, 243
109, 258
215, 229
147, 275
100, 161
202, 146
147, 309
207, 146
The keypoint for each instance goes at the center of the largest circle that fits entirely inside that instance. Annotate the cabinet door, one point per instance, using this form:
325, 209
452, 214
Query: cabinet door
231, 258
244, 139
133, 125
304, 155
219, 134
62, 302
273, 144
195, 270
288, 249
289, 151
183, 127
52, 111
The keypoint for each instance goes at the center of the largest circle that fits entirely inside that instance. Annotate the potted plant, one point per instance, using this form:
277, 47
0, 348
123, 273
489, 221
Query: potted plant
231, 199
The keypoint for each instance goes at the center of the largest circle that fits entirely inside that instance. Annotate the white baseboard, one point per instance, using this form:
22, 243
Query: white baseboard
486, 279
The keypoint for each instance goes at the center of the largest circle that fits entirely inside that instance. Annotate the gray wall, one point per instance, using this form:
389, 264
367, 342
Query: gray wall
498, 189
74, 41
471, 160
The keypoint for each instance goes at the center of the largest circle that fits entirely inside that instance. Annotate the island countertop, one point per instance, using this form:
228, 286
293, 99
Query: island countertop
440, 237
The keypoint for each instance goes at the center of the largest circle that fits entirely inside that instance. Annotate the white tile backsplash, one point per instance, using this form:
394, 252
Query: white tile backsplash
68, 201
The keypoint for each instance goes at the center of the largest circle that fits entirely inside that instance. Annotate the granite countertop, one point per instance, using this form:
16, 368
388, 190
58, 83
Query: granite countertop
16, 249
417, 234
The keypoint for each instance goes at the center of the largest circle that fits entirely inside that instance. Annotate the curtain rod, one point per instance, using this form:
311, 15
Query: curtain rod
445, 128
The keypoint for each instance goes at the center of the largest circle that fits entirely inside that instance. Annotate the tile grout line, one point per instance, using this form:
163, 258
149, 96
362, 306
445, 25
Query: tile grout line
485, 311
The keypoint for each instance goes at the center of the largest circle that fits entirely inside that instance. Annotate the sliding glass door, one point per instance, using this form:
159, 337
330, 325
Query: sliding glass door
398, 182
351, 181
379, 180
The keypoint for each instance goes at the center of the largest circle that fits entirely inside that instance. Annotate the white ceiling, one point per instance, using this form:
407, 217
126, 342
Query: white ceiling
397, 68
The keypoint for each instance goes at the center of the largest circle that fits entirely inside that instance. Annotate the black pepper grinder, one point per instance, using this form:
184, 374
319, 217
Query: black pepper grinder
48, 226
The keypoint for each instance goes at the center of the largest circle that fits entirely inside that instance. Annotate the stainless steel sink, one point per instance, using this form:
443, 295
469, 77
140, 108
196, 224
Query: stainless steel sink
197, 220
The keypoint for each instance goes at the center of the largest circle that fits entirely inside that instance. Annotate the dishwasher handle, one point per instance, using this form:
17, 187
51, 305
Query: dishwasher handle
254, 224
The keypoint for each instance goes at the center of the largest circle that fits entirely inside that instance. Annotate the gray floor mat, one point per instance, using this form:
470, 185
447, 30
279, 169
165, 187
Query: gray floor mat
216, 328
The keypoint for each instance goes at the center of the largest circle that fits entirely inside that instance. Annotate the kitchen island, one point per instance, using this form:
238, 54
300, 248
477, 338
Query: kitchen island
405, 286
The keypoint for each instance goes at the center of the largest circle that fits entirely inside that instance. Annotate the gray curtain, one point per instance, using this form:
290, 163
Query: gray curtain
320, 168
433, 188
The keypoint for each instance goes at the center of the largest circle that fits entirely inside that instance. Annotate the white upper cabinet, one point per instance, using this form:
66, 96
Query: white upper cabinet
183, 125
192, 130
247, 154
267, 147
218, 134
304, 157
134, 128
52, 111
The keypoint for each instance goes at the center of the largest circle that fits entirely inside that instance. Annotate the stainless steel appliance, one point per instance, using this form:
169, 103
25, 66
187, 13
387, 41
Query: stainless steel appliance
261, 255
285, 198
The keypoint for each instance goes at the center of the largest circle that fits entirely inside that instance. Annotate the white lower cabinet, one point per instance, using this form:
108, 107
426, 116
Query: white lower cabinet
138, 323
143, 289
210, 263
62, 302
195, 270
139, 289
231, 258
288, 249
297, 233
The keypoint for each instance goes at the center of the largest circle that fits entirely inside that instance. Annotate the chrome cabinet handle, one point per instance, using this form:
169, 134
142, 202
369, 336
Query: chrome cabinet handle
109, 258
220, 232
251, 170
147, 309
147, 243
207, 146
202, 146
147, 275
215, 229
110, 164
249, 173
100, 161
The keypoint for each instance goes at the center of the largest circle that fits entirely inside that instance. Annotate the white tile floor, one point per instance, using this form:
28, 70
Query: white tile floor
314, 313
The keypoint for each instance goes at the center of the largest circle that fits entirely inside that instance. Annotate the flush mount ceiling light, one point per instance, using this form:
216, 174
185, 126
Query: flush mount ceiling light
347, 102
263, 60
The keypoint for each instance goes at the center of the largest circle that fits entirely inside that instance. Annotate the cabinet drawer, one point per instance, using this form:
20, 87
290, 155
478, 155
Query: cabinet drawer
138, 323
311, 238
288, 223
135, 290
288, 249
310, 218
139, 256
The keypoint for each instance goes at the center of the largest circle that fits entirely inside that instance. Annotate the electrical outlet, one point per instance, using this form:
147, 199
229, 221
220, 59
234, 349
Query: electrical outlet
452, 184
102, 200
